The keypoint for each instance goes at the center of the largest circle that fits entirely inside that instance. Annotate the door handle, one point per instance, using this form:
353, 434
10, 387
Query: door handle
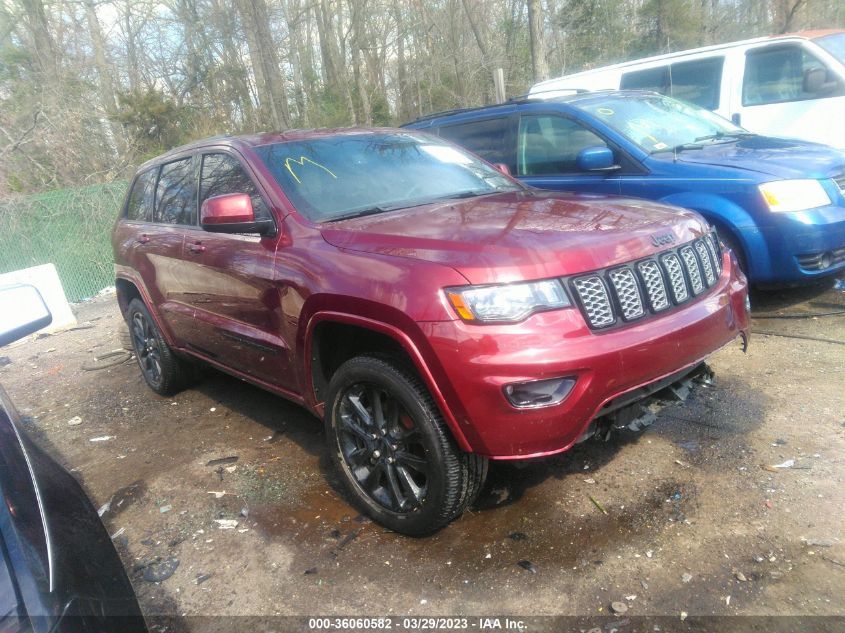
197, 247
143, 239
736, 118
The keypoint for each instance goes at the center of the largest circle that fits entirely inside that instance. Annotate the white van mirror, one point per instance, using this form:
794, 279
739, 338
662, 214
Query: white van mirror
22, 312
816, 83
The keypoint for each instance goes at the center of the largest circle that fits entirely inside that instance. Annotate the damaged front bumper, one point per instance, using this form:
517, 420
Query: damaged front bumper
636, 410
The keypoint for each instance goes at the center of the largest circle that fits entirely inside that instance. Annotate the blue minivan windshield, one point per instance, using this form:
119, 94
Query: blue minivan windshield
661, 124
351, 175
833, 44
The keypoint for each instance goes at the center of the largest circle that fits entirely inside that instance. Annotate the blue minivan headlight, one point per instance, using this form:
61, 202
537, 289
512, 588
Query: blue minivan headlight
794, 195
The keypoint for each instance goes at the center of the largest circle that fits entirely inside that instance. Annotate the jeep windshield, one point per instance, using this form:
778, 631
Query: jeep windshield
351, 175
662, 124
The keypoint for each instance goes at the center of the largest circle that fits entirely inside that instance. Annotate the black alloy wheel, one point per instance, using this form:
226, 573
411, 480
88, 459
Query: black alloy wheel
146, 348
163, 371
392, 449
382, 447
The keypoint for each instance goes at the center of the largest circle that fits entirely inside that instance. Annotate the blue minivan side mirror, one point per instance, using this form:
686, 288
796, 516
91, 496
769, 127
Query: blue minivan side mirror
22, 312
596, 159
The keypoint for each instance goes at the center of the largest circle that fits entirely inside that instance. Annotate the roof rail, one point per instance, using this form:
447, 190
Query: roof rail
434, 115
513, 100
530, 95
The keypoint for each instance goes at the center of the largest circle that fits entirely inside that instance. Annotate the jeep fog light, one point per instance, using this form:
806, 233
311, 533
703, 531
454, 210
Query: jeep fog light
538, 393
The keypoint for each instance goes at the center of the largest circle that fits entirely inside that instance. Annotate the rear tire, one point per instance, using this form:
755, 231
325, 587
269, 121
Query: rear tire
163, 371
392, 449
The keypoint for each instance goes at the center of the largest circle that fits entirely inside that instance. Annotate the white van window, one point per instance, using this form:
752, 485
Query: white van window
656, 79
777, 74
550, 145
697, 81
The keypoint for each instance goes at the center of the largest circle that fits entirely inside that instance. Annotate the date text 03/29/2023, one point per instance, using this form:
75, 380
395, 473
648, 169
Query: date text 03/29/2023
417, 624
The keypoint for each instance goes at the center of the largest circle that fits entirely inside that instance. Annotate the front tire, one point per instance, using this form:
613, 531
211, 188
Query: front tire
393, 451
163, 371
732, 243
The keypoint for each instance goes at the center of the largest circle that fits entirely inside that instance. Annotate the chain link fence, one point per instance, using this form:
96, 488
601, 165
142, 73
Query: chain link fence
70, 228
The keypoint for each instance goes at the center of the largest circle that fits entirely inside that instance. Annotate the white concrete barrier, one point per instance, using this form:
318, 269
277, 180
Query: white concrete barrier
46, 279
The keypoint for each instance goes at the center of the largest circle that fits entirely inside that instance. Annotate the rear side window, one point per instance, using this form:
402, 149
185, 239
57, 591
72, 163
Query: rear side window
176, 195
223, 174
142, 197
656, 79
786, 73
698, 81
550, 145
486, 138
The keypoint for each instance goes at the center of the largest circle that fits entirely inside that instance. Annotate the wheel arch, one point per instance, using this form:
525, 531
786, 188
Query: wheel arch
729, 219
128, 288
358, 331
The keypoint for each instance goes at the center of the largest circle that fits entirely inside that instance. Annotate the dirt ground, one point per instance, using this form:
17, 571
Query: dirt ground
697, 521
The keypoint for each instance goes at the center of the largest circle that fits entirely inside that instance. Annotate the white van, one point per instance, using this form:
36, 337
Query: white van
785, 85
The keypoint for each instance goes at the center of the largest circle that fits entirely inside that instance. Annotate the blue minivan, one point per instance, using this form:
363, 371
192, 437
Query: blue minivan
779, 204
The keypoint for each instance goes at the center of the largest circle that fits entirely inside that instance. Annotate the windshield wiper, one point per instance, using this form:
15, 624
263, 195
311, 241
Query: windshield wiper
718, 136
471, 193
678, 148
360, 213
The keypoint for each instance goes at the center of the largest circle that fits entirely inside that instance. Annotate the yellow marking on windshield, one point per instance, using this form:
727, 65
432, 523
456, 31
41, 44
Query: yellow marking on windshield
301, 162
605, 111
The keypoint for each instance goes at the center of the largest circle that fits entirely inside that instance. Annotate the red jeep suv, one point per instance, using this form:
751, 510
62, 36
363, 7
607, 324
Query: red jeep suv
435, 312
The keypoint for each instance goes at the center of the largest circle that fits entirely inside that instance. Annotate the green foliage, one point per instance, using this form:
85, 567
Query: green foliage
381, 111
154, 121
668, 25
329, 109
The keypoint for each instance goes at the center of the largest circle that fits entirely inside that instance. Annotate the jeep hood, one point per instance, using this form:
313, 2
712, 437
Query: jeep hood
521, 235
778, 157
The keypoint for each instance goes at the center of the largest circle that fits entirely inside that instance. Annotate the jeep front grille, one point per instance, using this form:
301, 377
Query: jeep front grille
676, 276
691, 265
715, 252
627, 293
630, 292
595, 301
654, 286
706, 264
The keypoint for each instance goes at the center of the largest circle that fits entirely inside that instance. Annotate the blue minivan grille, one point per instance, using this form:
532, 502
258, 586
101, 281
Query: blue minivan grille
646, 287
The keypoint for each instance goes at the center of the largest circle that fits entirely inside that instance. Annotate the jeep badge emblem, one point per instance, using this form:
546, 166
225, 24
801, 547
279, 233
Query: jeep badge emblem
661, 239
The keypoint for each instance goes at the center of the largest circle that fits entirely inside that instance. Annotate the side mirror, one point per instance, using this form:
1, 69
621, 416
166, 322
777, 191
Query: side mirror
233, 213
503, 168
815, 82
596, 159
22, 312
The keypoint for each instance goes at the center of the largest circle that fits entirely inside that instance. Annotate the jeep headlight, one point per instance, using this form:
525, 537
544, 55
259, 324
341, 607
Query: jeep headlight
507, 302
794, 195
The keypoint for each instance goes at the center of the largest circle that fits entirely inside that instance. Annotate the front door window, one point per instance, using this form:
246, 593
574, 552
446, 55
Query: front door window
550, 145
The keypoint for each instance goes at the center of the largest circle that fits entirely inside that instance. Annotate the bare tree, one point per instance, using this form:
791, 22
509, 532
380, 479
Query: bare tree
539, 67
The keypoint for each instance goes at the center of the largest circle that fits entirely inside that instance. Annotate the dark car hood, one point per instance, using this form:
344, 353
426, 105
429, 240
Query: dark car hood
63, 560
779, 157
520, 235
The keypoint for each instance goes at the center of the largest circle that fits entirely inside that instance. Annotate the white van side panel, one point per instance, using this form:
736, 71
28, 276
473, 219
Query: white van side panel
818, 120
